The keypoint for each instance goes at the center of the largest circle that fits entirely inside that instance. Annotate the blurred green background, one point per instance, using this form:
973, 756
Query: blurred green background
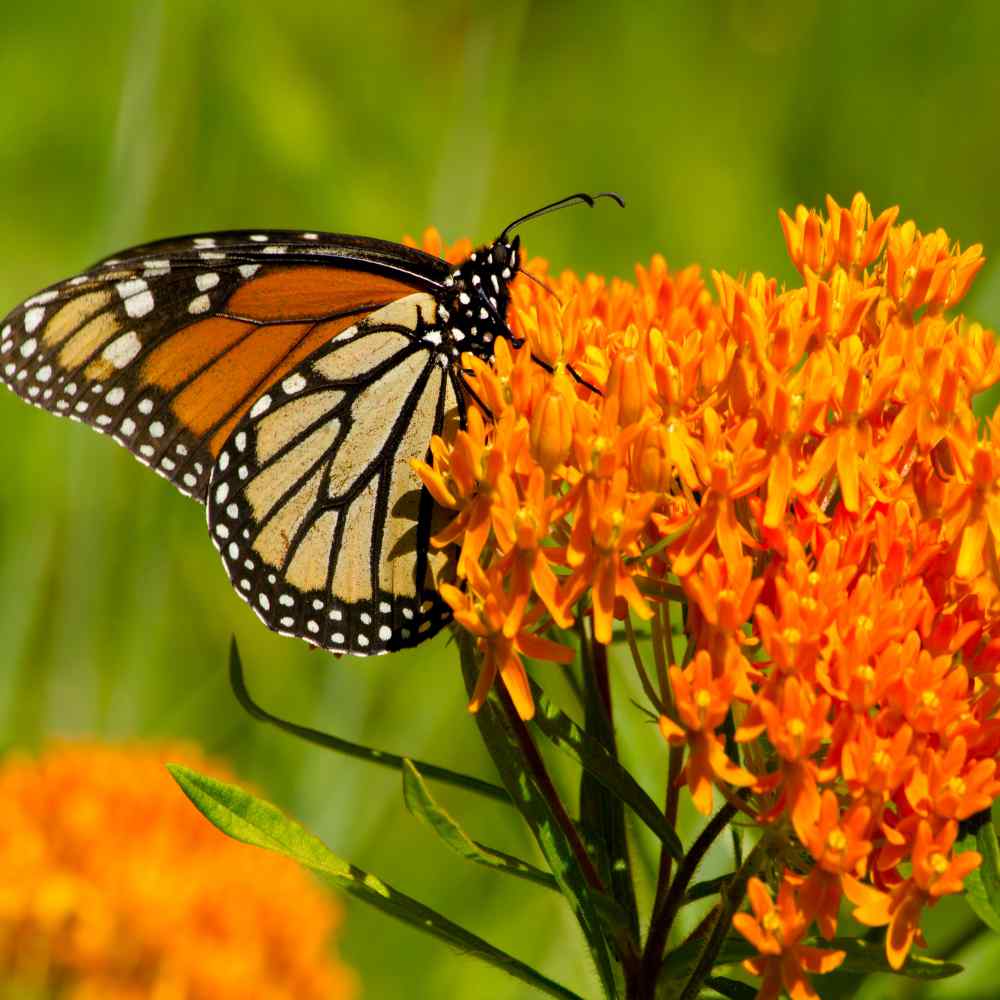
120, 123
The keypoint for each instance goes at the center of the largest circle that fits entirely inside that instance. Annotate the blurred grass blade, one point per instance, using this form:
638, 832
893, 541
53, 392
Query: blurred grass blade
421, 804
381, 757
504, 748
982, 886
561, 730
245, 817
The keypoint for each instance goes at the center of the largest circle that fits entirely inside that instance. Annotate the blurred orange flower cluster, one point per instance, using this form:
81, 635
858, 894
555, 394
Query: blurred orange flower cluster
788, 484
113, 887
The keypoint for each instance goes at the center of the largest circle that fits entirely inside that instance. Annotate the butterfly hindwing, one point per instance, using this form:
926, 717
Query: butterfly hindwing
323, 526
165, 346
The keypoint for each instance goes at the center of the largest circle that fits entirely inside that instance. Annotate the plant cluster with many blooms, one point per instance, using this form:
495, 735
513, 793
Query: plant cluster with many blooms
799, 471
113, 887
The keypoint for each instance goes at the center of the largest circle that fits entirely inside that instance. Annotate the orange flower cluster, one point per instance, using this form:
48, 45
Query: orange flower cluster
801, 468
113, 887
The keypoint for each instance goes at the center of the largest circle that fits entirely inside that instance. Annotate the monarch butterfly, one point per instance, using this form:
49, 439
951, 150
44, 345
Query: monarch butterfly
284, 379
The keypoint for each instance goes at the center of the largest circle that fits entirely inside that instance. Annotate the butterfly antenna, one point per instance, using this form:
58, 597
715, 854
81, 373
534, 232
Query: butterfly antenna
581, 198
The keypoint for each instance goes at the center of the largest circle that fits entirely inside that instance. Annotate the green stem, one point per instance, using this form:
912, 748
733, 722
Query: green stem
664, 915
536, 766
640, 669
730, 901
602, 813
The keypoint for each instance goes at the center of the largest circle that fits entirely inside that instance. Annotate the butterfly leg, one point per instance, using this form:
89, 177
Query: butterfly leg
577, 377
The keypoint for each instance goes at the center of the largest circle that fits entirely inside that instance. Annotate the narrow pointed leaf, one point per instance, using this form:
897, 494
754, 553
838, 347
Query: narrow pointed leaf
710, 887
421, 804
982, 886
732, 989
381, 757
680, 963
503, 746
561, 730
602, 812
245, 817
869, 956
862, 957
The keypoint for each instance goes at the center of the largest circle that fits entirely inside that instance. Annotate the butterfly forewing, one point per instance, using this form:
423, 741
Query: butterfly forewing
167, 345
322, 523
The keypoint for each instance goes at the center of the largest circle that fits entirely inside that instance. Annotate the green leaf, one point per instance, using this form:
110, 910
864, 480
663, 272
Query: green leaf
381, 757
982, 886
869, 956
862, 957
602, 813
709, 887
680, 963
732, 989
501, 740
561, 730
421, 804
245, 817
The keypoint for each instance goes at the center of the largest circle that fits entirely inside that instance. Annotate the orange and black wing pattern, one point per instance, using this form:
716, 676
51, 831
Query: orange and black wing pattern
287, 379
166, 346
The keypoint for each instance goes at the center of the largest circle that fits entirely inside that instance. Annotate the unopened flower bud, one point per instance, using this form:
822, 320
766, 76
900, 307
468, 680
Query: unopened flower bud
627, 382
651, 467
551, 430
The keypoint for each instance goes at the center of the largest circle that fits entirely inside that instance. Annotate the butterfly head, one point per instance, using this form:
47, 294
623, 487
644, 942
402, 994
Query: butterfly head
477, 296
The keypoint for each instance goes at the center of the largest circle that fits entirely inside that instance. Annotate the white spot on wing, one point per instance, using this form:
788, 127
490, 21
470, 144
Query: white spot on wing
261, 406
33, 317
206, 281
199, 304
122, 350
139, 305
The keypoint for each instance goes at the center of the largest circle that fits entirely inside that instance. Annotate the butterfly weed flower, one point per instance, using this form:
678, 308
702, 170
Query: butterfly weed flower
113, 886
790, 486
777, 929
